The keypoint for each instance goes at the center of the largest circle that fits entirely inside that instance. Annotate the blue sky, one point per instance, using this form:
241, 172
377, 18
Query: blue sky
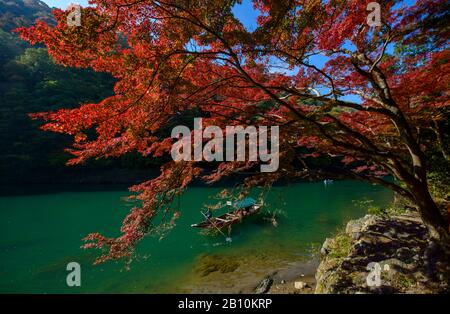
245, 13
64, 3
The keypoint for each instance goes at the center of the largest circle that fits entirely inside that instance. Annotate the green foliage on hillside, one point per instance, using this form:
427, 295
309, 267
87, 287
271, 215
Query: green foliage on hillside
31, 82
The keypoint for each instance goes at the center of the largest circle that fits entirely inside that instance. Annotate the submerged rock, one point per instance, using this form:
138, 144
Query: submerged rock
207, 264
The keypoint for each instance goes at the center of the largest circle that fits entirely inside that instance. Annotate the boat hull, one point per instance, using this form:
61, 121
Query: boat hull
226, 219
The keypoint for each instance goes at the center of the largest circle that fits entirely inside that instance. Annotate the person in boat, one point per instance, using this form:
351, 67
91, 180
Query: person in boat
246, 210
209, 214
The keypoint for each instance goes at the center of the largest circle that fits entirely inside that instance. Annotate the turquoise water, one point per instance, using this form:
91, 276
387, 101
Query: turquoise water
41, 233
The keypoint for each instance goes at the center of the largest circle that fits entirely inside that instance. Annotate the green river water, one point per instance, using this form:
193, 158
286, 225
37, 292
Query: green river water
41, 233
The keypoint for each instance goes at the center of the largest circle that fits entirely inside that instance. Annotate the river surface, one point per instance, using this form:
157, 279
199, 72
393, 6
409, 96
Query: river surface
41, 232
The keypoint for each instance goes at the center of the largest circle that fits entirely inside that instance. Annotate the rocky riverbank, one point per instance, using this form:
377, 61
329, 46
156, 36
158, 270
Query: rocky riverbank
383, 254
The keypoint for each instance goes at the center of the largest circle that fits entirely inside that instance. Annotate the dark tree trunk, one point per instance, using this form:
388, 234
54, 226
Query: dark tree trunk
429, 212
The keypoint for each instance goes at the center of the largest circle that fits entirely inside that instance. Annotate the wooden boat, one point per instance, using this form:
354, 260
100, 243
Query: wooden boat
244, 209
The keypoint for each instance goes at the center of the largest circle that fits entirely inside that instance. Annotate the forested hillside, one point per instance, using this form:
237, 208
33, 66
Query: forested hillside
16, 13
31, 82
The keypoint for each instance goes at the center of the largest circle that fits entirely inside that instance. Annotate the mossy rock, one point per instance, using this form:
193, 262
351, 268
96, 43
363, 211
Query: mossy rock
340, 246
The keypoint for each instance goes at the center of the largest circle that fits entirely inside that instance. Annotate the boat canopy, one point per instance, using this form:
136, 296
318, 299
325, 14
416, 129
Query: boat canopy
246, 202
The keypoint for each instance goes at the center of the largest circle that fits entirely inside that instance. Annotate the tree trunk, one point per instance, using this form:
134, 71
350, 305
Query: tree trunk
429, 212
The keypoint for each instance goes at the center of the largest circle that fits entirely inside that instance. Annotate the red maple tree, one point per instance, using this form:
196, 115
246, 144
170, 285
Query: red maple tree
173, 56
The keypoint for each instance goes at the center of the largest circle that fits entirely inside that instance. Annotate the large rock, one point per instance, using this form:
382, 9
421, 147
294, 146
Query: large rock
354, 228
398, 247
